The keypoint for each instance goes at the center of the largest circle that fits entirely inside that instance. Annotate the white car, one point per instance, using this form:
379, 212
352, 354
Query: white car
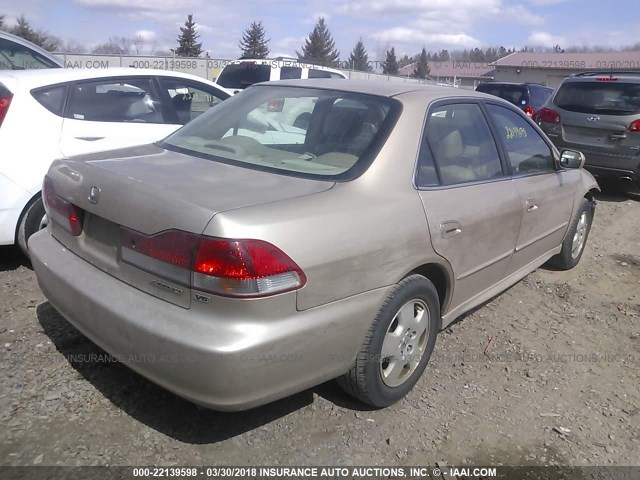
240, 74
54, 113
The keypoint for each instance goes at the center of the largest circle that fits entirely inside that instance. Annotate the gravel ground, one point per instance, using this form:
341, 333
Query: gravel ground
559, 350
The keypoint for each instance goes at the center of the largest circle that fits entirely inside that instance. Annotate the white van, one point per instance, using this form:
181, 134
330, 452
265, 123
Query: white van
239, 74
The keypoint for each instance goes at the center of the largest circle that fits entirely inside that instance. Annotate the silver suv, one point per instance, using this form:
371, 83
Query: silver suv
599, 114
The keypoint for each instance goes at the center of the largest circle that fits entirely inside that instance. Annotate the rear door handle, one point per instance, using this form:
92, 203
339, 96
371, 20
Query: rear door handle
532, 208
450, 229
618, 136
89, 139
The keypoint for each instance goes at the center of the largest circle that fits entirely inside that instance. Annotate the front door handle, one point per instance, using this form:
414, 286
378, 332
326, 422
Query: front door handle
532, 208
450, 229
618, 136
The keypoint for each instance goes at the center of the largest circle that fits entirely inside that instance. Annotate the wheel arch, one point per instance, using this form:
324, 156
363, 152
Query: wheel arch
25, 209
440, 275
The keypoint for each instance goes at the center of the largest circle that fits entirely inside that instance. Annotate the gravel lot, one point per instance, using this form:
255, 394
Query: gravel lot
559, 350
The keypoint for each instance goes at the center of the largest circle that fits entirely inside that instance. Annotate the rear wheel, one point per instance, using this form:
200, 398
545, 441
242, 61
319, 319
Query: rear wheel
398, 345
33, 219
576, 238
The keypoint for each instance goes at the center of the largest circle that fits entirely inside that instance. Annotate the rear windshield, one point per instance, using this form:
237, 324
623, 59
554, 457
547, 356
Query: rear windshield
607, 98
242, 75
516, 94
14, 56
297, 131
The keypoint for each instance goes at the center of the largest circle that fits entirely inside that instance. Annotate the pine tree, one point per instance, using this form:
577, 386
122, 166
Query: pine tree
254, 43
319, 47
1, 22
23, 29
390, 65
404, 61
422, 66
187, 40
444, 55
359, 60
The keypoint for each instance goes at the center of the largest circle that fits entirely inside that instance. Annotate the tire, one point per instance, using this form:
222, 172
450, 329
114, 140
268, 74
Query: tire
569, 257
31, 221
369, 380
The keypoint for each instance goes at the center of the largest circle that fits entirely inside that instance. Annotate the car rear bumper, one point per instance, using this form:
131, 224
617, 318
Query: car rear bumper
213, 360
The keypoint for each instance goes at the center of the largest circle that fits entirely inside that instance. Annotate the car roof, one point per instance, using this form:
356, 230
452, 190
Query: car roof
50, 76
32, 46
284, 61
520, 84
378, 87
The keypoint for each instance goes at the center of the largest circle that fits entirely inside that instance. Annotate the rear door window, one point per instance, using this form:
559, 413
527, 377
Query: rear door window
462, 146
243, 75
603, 97
115, 100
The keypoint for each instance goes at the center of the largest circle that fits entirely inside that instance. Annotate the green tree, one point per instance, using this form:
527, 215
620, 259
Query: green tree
1, 22
359, 60
23, 29
390, 65
188, 45
319, 47
444, 55
421, 69
405, 60
254, 43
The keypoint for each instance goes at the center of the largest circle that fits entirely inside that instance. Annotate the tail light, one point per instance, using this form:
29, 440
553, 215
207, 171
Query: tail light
635, 126
4, 107
529, 111
64, 213
228, 267
548, 116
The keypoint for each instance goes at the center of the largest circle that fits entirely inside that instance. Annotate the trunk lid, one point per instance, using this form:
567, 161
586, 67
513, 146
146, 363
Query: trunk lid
151, 190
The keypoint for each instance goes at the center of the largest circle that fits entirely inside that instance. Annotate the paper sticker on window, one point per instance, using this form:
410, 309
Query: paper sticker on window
515, 132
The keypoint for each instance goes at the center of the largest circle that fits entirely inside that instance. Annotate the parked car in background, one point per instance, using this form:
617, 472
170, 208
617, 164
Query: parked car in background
53, 113
527, 96
240, 74
259, 267
19, 54
599, 113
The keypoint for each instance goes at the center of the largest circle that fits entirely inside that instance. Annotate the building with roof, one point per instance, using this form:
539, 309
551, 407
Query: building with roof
551, 68
459, 73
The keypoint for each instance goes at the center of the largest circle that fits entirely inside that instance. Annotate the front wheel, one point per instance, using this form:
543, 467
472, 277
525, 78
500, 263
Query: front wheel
576, 238
398, 345
33, 219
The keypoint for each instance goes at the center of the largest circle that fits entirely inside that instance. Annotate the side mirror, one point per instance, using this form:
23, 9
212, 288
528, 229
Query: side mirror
571, 159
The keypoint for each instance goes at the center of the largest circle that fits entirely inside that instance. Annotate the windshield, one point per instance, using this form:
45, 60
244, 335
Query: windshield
516, 94
242, 75
608, 98
298, 131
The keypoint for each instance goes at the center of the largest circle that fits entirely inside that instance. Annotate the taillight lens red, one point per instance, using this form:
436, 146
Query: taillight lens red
5, 102
64, 213
529, 111
229, 267
549, 116
635, 126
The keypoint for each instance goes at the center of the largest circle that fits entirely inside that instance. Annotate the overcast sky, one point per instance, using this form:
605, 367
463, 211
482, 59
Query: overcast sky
405, 24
